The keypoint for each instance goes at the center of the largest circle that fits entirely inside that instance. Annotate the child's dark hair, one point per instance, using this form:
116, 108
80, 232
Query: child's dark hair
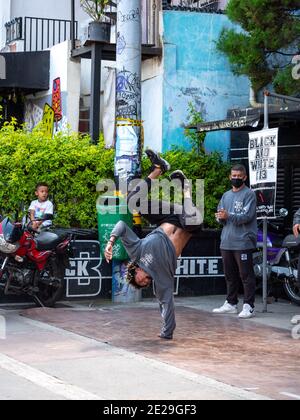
131, 269
41, 184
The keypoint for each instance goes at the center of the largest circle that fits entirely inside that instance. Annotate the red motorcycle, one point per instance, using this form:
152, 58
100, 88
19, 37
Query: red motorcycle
33, 263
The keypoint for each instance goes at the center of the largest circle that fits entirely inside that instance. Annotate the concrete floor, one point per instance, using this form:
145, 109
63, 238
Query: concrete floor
95, 350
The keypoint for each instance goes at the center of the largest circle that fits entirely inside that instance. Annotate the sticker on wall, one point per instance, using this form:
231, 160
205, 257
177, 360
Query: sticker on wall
56, 99
48, 119
33, 114
127, 141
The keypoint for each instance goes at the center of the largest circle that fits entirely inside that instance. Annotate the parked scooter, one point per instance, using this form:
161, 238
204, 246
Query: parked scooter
33, 263
283, 254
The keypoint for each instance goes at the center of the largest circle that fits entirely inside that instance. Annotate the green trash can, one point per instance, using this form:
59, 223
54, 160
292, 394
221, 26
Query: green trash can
110, 210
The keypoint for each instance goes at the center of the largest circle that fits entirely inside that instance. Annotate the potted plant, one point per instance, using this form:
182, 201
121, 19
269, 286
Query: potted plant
99, 28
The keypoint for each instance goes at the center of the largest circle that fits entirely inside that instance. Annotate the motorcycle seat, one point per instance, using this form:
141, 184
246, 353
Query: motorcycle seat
47, 241
291, 242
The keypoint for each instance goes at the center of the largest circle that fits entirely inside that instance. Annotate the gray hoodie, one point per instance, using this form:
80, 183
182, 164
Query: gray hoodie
240, 230
156, 255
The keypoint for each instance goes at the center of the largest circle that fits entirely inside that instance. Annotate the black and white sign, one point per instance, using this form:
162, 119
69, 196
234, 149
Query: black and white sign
199, 267
84, 278
263, 157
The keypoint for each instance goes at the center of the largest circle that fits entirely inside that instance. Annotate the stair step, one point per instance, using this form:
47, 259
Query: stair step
84, 114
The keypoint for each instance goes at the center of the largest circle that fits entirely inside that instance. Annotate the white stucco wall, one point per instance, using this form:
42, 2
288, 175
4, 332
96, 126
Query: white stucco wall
152, 102
69, 73
4, 17
56, 9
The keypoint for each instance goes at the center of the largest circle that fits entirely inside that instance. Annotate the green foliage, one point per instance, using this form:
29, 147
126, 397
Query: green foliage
270, 39
196, 164
68, 163
72, 167
211, 169
94, 8
284, 84
196, 139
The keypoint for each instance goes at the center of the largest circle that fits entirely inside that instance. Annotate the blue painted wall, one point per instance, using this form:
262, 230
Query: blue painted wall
195, 72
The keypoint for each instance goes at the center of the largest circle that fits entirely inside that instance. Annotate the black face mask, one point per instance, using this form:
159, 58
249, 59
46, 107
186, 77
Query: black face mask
237, 182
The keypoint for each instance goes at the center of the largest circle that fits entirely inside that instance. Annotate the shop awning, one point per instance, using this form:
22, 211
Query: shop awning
252, 119
25, 71
228, 124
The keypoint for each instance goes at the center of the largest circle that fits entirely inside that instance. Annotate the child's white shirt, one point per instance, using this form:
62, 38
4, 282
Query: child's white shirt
40, 208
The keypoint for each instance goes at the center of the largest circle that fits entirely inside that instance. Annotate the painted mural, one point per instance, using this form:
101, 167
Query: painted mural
56, 100
48, 119
39, 109
195, 72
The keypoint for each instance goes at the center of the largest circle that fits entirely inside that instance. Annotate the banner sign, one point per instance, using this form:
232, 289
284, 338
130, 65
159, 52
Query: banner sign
56, 99
263, 157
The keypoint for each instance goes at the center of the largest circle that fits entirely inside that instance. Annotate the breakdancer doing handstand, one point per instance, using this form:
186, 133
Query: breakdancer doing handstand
154, 258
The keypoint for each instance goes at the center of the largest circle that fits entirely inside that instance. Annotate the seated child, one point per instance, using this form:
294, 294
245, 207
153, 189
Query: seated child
41, 207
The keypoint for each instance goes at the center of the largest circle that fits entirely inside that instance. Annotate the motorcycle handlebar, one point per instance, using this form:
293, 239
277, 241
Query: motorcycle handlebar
275, 227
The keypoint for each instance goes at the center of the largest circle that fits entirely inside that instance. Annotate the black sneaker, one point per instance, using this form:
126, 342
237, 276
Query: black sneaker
158, 161
166, 337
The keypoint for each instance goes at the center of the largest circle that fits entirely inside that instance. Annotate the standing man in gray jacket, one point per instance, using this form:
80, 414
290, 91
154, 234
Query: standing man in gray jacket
154, 258
237, 214
296, 230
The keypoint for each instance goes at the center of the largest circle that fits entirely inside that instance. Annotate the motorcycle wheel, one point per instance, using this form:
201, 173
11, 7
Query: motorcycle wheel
291, 285
49, 294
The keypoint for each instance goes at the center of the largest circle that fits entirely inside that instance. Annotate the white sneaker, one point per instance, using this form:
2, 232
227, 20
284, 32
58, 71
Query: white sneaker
247, 312
295, 320
226, 309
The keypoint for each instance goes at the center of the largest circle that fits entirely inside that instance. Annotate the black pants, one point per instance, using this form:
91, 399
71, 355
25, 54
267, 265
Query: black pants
239, 265
187, 217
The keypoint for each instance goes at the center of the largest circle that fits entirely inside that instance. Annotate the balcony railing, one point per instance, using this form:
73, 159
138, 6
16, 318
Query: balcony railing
41, 33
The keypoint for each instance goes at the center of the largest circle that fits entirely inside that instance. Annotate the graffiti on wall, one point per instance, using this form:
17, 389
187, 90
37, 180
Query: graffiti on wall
56, 100
33, 114
39, 110
128, 94
48, 119
121, 43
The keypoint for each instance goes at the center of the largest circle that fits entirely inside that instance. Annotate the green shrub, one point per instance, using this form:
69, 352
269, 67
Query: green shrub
68, 163
211, 169
72, 167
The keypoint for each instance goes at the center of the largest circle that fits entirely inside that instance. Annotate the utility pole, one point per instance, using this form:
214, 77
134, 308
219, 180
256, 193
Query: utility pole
128, 89
128, 115
265, 222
